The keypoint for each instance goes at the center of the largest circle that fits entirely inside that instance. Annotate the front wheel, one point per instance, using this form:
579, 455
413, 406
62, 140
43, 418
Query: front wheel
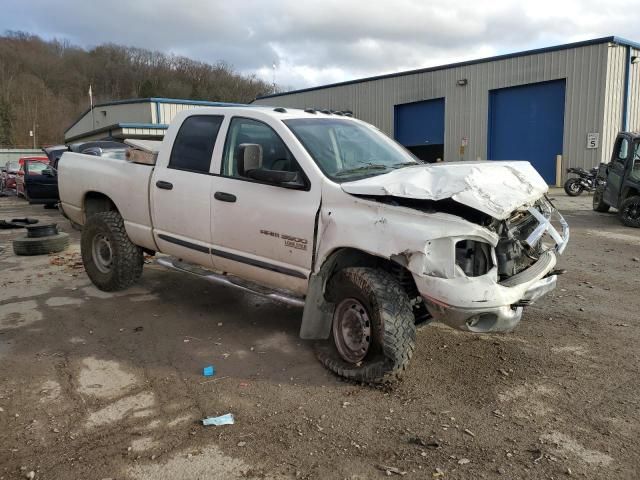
111, 260
598, 201
630, 211
573, 187
373, 333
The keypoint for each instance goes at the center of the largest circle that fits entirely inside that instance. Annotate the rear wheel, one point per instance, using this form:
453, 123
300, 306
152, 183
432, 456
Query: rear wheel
598, 201
111, 260
630, 211
573, 187
373, 333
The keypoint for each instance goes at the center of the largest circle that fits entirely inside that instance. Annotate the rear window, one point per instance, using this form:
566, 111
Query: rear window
193, 146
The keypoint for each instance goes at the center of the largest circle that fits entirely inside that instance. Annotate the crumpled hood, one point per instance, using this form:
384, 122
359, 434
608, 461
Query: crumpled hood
495, 188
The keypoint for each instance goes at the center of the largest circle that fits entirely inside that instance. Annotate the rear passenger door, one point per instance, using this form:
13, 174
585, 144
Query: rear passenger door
181, 191
263, 231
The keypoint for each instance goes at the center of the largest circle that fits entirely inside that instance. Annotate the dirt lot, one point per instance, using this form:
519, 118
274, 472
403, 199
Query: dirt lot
96, 385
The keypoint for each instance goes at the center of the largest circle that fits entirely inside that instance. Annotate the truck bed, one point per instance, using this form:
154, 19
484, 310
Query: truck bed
124, 183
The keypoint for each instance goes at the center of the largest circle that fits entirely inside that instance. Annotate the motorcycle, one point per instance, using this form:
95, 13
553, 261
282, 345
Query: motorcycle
586, 181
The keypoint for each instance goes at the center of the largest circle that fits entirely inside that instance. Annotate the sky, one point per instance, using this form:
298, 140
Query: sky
319, 42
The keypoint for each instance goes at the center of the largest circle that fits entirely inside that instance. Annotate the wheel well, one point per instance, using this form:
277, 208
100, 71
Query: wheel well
351, 257
629, 192
96, 202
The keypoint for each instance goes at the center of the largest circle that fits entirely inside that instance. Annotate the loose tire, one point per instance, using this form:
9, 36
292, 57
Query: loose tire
572, 187
24, 245
111, 260
598, 201
630, 211
373, 331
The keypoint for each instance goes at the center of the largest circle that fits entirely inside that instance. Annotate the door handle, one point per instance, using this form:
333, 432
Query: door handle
224, 197
164, 185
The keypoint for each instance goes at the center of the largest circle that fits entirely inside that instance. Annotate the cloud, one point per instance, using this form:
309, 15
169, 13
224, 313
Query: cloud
315, 42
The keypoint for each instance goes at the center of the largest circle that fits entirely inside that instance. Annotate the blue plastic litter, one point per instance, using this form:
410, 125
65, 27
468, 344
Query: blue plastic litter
226, 419
209, 371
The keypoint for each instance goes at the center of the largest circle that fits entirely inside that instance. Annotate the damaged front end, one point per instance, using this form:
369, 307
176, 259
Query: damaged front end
498, 281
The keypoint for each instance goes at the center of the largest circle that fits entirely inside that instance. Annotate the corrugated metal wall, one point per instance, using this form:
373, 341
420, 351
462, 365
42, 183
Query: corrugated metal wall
166, 111
111, 114
634, 92
613, 99
466, 108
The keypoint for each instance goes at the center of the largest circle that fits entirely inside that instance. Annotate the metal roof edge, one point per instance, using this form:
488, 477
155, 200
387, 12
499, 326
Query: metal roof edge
554, 48
178, 101
156, 126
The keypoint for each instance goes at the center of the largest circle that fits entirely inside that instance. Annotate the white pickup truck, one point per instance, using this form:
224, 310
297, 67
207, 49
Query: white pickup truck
323, 211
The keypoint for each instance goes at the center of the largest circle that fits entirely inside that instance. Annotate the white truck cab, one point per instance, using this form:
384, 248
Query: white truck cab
323, 211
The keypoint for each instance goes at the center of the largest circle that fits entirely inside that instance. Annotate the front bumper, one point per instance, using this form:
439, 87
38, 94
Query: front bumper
482, 304
490, 319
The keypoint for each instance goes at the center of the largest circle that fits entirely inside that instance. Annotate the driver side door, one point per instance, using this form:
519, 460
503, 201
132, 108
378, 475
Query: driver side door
616, 170
40, 182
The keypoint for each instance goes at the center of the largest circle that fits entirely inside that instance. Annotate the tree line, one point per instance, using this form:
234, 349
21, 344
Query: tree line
45, 83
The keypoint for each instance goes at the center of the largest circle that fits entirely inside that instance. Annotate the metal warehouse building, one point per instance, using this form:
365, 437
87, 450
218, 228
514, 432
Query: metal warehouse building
143, 118
567, 100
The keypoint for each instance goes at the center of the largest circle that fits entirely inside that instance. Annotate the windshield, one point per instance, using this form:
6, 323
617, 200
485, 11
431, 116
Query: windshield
635, 169
346, 150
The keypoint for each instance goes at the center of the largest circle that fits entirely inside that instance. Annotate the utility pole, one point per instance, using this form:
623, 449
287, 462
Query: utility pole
93, 117
274, 77
34, 126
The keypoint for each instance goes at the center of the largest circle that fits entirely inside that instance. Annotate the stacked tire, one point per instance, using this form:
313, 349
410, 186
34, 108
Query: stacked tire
41, 240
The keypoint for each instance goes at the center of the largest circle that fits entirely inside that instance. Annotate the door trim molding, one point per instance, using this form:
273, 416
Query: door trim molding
258, 263
232, 256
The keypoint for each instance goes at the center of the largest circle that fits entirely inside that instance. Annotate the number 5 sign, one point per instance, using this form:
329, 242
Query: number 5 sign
593, 139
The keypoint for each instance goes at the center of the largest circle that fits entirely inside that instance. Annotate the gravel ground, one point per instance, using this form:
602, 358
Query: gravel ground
96, 385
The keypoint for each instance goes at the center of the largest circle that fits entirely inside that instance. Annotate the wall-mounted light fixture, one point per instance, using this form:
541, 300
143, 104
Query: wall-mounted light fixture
462, 82
635, 60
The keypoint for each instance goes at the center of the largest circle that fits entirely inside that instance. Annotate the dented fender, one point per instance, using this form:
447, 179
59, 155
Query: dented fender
422, 242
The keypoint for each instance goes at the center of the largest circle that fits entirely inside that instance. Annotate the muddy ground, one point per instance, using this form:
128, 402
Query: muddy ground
96, 385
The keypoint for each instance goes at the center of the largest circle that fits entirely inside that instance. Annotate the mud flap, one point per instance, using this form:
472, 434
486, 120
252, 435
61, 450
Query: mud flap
318, 313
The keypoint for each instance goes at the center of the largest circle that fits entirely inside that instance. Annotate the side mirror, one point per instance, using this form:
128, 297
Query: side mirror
49, 172
249, 158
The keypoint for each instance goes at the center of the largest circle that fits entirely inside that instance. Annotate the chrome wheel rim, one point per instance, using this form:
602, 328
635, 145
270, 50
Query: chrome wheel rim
352, 330
102, 253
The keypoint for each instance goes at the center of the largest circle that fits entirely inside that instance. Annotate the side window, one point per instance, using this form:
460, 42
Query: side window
622, 152
275, 154
193, 146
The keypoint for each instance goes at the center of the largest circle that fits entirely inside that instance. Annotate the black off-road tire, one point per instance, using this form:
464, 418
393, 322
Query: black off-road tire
127, 258
24, 245
572, 187
392, 321
598, 201
630, 211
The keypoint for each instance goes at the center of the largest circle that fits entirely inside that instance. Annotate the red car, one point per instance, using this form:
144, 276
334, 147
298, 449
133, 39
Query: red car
8, 175
29, 166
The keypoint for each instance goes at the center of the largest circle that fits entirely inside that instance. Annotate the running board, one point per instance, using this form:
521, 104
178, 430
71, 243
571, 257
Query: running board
231, 281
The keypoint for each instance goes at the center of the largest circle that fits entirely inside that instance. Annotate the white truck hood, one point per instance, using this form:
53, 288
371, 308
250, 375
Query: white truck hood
494, 188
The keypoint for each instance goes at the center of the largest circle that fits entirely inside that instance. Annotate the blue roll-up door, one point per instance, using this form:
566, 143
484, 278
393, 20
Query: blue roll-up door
527, 123
419, 126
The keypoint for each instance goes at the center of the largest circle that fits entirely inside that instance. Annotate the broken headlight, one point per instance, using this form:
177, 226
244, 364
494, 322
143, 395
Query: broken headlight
473, 257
